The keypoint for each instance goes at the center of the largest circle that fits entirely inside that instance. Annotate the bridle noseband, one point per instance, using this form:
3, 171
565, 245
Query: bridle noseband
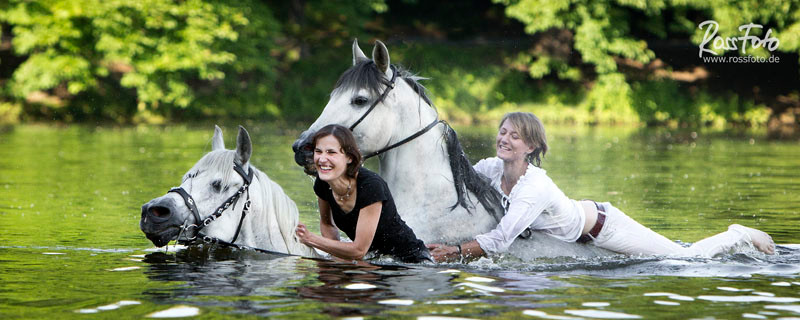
231, 201
389, 87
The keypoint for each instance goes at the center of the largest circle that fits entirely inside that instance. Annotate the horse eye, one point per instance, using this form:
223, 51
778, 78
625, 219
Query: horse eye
217, 185
359, 101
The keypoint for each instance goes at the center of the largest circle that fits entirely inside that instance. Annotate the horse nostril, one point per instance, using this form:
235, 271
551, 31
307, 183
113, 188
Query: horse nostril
159, 211
296, 146
303, 148
300, 145
303, 153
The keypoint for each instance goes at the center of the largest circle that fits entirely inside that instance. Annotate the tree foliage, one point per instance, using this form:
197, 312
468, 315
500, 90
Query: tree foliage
153, 58
150, 60
605, 35
154, 48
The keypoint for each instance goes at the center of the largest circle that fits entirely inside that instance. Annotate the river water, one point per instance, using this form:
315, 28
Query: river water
70, 246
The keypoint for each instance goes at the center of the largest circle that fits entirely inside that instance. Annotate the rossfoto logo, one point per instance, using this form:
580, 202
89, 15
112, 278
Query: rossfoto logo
719, 45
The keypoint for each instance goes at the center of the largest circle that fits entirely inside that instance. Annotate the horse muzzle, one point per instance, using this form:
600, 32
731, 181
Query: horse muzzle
159, 222
163, 238
304, 153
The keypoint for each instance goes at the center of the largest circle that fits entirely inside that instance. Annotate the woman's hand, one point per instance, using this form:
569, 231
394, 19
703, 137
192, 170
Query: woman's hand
443, 253
303, 235
461, 253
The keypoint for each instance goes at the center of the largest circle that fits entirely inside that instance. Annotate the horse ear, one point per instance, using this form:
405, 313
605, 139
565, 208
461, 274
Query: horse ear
244, 147
216, 142
358, 55
381, 56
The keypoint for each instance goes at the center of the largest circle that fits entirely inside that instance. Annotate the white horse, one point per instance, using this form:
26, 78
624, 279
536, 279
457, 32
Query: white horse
225, 199
436, 191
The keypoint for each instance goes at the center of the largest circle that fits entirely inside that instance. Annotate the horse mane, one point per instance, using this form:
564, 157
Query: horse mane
466, 178
284, 211
365, 74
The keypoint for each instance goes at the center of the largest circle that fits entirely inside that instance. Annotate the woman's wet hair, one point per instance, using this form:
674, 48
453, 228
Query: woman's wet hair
347, 142
531, 130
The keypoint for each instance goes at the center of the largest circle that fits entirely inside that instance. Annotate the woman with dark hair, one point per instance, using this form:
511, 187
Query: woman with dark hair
533, 200
357, 201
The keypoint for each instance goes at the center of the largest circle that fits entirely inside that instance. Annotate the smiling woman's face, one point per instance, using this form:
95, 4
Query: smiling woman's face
509, 144
330, 161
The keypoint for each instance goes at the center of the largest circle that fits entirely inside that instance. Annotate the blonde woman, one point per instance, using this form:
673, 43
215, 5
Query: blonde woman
533, 201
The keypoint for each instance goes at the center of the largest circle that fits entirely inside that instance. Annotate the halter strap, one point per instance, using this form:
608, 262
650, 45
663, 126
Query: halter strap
389, 87
245, 210
208, 239
188, 200
407, 139
248, 177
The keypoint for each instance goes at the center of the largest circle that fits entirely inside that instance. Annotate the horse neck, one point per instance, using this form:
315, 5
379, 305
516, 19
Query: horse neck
274, 219
421, 180
422, 162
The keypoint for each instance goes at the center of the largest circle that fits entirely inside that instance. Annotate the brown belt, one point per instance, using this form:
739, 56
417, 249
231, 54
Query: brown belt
601, 219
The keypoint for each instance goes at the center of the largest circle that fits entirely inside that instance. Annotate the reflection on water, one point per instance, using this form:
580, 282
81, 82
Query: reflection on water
254, 283
70, 202
250, 276
208, 280
108, 307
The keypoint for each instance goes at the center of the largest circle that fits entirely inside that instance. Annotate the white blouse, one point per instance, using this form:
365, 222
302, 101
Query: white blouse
535, 201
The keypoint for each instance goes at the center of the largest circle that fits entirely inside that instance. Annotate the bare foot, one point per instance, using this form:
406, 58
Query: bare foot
761, 240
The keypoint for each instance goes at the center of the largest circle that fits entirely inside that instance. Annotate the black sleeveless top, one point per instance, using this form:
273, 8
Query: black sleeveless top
392, 236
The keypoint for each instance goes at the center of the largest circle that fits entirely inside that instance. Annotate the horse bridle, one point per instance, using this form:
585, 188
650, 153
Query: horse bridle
389, 87
231, 201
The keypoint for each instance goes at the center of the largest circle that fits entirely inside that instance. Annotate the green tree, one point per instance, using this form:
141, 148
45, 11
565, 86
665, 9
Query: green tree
153, 49
601, 37
154, 59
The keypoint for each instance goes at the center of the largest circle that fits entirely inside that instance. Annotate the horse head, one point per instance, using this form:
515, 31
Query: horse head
370, 100
214, 180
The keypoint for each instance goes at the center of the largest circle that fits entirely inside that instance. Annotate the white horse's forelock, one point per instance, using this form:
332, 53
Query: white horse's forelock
218, 162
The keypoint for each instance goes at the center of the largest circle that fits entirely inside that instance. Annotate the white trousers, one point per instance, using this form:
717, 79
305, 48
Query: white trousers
622, 234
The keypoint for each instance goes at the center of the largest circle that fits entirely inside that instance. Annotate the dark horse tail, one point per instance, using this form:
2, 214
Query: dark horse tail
466, 179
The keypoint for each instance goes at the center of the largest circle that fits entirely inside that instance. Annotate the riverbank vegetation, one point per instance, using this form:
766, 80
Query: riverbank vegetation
585, 62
